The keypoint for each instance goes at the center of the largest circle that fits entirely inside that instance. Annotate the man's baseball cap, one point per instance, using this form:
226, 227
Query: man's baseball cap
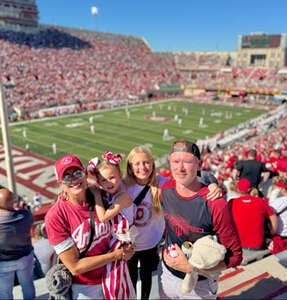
66, 162
282, 165
185, 146
243, 185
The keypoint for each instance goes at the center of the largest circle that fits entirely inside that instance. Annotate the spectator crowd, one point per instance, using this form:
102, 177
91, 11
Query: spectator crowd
60, 66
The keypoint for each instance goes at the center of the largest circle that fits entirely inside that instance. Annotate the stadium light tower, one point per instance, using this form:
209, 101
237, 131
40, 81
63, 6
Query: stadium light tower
6, 140
95, 11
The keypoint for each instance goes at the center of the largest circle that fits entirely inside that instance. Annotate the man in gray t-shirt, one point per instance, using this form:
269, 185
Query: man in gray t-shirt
16, 251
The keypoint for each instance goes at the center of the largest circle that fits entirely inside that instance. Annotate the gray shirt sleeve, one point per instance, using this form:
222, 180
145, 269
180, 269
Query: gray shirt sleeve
207, 177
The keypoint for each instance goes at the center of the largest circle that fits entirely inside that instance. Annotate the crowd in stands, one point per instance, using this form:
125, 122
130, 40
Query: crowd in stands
236, 78
58, 66
199, 59
222, 161
54, 66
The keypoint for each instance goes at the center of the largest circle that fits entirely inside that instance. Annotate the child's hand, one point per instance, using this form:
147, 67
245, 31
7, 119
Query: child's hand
128, 251
128, 246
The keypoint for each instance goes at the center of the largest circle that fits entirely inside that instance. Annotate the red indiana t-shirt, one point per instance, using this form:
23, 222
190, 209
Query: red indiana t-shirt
249, 214
66, 220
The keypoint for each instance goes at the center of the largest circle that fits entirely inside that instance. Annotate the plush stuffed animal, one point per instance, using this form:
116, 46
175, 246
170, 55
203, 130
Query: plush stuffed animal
206, 253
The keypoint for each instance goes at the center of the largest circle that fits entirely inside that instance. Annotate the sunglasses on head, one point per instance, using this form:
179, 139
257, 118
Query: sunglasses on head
68, 178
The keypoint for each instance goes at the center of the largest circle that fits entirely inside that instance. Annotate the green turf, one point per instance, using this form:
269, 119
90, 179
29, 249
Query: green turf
115, 132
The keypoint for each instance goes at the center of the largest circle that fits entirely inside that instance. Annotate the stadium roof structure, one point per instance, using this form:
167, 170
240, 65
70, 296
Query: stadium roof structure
17, 14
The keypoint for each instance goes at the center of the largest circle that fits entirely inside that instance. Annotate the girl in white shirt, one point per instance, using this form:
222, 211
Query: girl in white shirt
148, 216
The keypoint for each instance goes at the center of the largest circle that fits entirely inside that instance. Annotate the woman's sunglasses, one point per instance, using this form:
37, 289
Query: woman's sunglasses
68, 178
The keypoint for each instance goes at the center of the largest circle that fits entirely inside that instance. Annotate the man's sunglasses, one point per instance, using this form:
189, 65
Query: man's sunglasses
68, 179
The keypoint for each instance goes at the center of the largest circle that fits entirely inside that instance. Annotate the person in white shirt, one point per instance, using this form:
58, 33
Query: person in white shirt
54, 147
279, 205
37, 199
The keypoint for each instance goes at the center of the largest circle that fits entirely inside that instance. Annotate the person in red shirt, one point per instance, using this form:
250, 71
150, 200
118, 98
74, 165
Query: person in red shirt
249, 214
68, 228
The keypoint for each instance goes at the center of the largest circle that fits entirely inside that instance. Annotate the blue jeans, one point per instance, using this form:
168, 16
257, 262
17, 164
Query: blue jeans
23, 267
80, 291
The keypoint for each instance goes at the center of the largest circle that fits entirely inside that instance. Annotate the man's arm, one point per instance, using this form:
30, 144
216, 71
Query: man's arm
227, 233
273, 224
265, 176
235, 173
207, 177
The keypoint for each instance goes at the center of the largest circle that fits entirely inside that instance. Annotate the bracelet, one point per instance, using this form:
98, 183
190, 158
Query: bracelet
194, 269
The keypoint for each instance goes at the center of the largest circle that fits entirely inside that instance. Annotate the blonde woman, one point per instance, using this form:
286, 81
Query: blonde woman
149, 218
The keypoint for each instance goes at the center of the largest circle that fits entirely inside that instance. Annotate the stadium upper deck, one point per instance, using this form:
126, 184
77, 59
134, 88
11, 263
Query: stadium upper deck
56, 65
18, 14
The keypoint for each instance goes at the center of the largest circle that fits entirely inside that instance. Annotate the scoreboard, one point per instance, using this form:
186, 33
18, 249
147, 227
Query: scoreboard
261, 41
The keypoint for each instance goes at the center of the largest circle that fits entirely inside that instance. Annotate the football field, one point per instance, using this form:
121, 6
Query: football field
119, 130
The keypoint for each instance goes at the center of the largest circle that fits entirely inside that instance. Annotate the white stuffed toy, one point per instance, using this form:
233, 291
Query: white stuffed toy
206, 253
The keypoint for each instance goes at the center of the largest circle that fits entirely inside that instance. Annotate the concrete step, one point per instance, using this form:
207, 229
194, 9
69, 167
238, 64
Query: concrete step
265, 279
258, 280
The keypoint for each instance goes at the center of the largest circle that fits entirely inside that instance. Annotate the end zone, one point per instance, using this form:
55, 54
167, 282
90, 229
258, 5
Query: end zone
33, 173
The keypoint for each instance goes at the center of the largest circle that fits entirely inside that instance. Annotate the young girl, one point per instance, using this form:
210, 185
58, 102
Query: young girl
116, 201
108, 176
117, 208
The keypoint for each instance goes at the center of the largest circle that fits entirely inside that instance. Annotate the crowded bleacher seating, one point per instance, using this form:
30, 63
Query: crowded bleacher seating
62, 66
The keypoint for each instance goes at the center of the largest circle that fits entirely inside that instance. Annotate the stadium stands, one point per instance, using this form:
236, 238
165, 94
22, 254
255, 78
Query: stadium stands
58, 66
63, 66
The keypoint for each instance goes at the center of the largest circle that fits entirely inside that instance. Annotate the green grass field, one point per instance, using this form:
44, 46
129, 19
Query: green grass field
115, 132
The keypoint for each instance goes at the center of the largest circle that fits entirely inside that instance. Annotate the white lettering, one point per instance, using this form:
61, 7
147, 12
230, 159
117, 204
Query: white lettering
81, 238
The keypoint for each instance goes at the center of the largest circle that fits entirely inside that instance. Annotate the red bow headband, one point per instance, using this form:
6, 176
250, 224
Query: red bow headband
112, 158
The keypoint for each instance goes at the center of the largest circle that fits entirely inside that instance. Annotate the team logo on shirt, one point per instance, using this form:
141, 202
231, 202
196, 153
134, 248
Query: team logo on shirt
81, 234
180, 226
143, 214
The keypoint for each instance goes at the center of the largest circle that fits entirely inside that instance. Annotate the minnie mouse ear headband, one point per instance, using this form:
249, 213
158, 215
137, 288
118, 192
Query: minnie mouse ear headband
114, 159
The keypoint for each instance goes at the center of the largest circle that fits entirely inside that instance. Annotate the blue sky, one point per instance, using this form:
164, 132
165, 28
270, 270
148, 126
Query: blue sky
182, 25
